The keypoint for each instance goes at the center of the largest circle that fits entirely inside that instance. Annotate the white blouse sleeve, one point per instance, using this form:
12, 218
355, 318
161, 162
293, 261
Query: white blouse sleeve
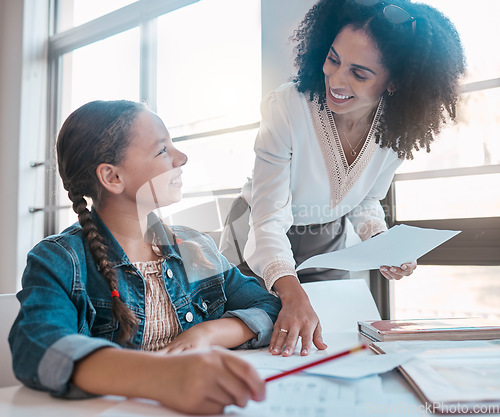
268, 251
368, 218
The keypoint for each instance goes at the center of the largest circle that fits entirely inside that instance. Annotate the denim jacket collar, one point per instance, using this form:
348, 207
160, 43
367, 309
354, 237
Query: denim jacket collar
117, 256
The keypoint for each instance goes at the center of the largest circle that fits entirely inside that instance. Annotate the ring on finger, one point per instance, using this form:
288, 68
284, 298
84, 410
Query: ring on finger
283, 331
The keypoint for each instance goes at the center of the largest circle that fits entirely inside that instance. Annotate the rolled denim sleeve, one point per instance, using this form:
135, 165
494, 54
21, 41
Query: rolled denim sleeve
258, 321
252, 304
51, 331
57, 364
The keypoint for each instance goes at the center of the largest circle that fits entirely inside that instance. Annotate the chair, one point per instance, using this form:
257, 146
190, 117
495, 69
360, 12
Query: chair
341, 304
208, 217
9, 307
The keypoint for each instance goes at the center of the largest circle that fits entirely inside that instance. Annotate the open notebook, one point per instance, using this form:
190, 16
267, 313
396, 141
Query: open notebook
452, 377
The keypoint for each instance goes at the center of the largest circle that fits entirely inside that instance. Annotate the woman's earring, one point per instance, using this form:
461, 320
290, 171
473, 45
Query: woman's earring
391, 93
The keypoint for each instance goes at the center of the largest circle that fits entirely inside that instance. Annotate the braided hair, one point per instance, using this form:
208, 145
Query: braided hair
425, 66
96, 133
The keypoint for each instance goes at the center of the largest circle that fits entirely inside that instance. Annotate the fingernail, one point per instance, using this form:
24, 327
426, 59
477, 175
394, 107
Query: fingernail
287, 351
304, 352
393, 269
404, 267
275, 350
383, 269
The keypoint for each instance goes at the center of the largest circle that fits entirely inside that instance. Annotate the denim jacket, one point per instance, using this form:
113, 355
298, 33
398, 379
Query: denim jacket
66, 303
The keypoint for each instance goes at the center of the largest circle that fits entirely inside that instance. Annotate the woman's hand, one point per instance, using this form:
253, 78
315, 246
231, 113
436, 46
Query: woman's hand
296, 318
394, 272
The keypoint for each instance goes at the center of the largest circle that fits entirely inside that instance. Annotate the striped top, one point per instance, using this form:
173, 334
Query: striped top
161, 325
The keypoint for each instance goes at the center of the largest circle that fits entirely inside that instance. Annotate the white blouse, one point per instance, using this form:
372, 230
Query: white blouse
301, 177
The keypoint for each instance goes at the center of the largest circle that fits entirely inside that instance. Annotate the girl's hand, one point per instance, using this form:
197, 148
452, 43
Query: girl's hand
196, 337
205, 382
296, 318
194, 382
394, 272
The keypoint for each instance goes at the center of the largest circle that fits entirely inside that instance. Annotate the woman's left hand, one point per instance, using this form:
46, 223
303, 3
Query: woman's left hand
394, 272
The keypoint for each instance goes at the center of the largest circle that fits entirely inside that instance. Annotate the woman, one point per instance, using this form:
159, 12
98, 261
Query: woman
107, 303
376, 81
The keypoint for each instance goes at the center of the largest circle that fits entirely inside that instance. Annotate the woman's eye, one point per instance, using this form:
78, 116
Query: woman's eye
359, 77
333, 60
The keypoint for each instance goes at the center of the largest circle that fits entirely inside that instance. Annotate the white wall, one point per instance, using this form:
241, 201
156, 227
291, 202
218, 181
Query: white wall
279, 20
23, 30
10, 103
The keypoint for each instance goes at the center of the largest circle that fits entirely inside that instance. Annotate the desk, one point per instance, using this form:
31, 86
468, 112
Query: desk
396, 398
385, 395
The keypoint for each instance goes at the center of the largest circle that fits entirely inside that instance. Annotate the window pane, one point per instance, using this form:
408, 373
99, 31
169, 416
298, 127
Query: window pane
209, 68
448, 291
477, 24
105, 70
210, 159
473, 141
76, 12
448, 198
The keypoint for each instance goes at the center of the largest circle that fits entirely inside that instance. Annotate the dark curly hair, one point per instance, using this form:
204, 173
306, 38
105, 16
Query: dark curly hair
425, 66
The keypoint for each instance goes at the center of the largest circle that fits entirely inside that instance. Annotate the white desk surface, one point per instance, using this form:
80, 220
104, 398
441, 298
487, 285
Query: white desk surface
396, 398
385, 395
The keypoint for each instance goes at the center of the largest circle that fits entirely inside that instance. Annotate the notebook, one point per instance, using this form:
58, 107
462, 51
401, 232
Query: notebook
452, 377
464, 328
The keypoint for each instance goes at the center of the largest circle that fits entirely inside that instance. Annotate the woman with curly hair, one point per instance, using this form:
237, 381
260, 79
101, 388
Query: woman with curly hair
376, 81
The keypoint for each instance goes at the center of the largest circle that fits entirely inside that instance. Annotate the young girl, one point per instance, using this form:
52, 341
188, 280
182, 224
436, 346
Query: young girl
121, 279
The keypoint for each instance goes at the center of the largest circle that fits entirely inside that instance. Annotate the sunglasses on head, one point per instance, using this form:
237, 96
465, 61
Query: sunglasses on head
393, 13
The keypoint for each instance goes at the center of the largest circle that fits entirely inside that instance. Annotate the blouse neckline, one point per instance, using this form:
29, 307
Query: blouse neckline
342, 175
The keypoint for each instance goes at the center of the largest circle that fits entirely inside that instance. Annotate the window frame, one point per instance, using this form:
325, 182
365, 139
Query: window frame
477, 245
142, 14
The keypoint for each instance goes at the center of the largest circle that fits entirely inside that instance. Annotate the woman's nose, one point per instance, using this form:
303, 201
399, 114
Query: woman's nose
337, 78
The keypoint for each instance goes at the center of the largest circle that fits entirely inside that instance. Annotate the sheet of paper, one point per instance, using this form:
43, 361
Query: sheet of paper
361, 365
394, 247
308, 396
356, 365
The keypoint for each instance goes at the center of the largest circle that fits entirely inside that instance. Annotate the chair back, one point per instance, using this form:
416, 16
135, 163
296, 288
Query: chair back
341, 304
208, 217
9, 307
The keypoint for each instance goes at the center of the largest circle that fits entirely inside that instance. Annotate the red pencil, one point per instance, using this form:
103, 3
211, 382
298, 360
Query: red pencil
315, 363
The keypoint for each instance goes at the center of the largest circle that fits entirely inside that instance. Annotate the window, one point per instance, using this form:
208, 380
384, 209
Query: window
456, 187
197, 63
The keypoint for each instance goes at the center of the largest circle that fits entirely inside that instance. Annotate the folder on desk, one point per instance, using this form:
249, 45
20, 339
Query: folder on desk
455, 328
452, 377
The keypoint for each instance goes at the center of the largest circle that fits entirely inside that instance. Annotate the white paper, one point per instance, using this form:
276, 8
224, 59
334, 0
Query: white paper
393, 247
308, 396
354, 366
361, 365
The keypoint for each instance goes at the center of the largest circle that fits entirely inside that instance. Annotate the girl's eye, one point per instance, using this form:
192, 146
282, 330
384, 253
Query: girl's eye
163, 150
